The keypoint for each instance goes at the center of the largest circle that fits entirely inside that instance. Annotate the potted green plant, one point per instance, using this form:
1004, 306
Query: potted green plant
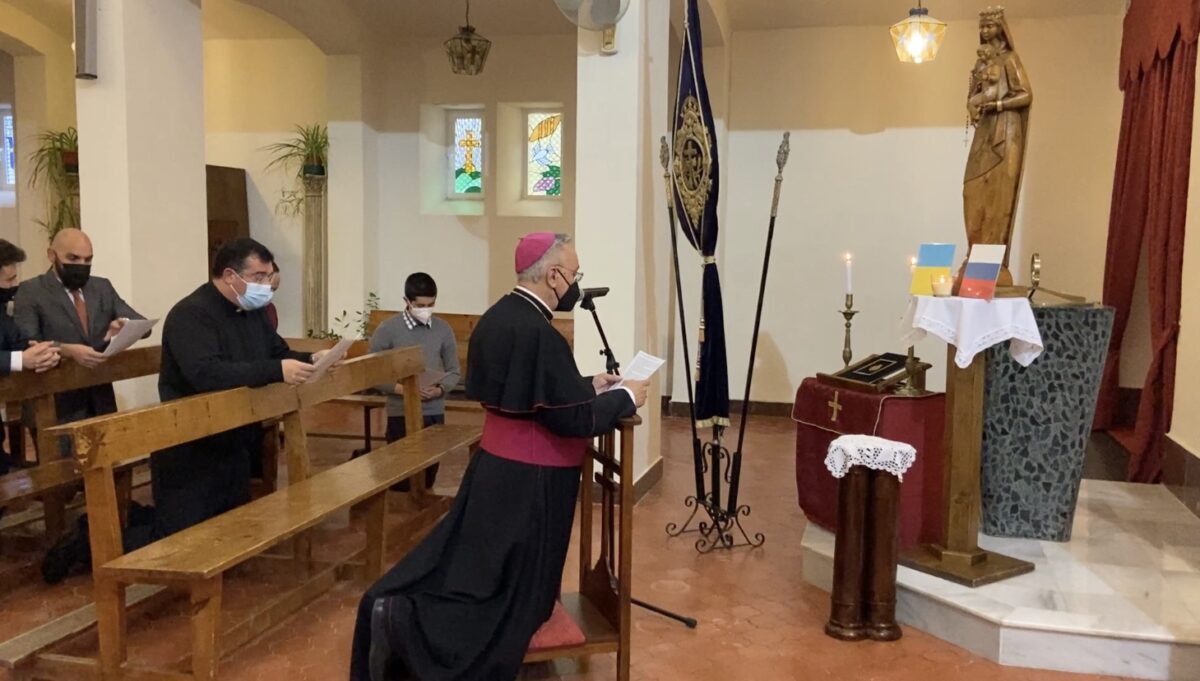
55, 167
307, 151
350, 323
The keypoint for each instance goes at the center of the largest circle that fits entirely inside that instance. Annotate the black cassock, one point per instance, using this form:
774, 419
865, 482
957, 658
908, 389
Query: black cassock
464, 604
208, 345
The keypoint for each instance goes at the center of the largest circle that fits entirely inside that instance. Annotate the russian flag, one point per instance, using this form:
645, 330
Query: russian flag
983, 267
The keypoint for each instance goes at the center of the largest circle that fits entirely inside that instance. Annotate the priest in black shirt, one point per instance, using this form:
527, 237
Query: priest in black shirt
219, 338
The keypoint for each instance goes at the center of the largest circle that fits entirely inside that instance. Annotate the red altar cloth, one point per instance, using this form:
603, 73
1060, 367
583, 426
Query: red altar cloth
918, 421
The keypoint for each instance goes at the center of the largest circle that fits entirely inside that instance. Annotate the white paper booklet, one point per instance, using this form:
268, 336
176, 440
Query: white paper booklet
129, 334
335, 355
642, 367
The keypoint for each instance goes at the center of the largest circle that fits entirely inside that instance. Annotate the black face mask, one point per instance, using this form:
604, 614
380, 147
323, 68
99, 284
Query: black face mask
7, 294
73, 275
568, 300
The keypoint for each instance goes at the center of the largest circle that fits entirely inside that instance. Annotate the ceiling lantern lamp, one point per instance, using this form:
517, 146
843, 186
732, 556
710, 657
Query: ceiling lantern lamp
918, 36
468, 51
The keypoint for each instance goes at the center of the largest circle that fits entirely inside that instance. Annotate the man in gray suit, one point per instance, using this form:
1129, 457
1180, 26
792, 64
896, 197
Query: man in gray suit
80, 312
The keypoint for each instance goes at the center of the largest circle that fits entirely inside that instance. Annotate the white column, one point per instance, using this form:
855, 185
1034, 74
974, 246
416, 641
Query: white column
621, 110
141, 152
350, 171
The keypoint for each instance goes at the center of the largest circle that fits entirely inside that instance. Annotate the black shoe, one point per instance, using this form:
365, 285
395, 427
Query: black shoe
69, 553
381, 647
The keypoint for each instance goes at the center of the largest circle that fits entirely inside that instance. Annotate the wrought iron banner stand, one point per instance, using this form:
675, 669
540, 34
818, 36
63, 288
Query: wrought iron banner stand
720, 527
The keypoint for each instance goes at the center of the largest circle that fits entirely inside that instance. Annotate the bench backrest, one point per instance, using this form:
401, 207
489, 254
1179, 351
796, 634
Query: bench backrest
357, 349
103, 443
133, 363
40, 389
463, 325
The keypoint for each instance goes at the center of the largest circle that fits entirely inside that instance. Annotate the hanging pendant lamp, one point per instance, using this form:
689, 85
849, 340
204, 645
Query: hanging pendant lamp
468, 51
918, 36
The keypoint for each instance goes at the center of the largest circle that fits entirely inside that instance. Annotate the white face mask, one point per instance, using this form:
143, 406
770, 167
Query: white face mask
256, 297
422, 314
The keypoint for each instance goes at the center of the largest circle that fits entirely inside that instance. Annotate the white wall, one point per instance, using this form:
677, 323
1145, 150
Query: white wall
470, 256
256, 91
1185, 427
878, 151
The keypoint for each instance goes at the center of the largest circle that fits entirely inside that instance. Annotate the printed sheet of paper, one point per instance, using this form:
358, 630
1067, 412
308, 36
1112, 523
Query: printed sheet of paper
642, 367
131, 333
330, 358
430, 378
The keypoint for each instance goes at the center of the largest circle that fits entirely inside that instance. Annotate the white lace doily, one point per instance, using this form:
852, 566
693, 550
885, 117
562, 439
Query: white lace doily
870, 451
973, 325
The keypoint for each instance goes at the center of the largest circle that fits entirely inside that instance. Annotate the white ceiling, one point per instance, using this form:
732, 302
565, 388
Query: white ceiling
229, 19
344, 26
766, 14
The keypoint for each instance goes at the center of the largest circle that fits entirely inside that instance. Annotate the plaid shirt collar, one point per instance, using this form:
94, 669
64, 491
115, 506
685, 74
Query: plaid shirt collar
411, 322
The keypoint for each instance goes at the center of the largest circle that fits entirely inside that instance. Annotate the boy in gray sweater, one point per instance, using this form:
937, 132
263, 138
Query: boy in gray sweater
416, 325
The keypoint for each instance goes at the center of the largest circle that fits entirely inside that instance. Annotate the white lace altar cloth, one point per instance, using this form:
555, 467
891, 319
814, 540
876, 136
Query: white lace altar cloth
973, 325
870, 451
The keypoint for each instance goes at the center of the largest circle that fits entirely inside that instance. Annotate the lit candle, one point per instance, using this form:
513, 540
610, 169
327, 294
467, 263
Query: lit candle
849, 275
912, 264
943, 286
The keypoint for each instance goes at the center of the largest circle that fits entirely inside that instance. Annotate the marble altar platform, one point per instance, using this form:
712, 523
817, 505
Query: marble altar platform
1121, 598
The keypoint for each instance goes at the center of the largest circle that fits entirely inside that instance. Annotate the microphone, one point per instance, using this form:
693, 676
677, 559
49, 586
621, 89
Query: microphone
590, 293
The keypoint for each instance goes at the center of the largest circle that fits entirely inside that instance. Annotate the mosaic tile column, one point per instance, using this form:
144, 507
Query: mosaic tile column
316, 256
1036, 425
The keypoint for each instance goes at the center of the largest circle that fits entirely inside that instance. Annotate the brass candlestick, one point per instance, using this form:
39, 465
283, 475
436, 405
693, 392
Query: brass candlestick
848, 314
914, 383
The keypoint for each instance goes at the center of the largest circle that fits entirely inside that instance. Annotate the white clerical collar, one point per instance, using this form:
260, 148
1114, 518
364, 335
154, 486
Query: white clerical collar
533, 298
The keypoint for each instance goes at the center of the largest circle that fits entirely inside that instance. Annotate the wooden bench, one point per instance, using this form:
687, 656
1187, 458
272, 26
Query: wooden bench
55, 480
195, 560
463, 325
601, 608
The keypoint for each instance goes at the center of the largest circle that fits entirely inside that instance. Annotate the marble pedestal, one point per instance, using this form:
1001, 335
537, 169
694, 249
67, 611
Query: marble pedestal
1036, 425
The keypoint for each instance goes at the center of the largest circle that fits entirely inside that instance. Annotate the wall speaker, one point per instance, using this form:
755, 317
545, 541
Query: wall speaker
85, 39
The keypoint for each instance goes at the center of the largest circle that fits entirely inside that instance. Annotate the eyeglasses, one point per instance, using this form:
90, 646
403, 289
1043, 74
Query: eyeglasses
578, 276
257, 277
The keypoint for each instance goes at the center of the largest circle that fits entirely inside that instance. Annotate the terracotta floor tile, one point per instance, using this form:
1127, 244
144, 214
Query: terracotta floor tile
758, 620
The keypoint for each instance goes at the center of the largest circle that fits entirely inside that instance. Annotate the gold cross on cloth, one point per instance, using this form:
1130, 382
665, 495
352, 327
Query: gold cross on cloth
834, 407
469, 144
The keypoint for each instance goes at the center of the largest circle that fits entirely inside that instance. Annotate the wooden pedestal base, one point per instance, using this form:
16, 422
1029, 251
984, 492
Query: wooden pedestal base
969, 569
958, 557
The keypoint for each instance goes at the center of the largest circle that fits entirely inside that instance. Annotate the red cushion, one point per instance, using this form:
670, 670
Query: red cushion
559, 631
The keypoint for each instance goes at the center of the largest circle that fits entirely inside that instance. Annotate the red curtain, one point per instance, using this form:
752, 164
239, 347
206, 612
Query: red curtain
1149, 206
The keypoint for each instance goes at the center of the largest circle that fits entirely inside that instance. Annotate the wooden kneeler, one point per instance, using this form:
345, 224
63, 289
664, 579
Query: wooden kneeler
55, 480
601, 608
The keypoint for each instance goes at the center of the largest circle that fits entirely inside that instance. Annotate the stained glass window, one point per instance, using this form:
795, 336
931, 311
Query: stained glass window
466, 153
543, 154
8, 150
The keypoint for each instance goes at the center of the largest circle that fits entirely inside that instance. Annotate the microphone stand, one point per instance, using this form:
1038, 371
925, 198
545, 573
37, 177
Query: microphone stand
613, 367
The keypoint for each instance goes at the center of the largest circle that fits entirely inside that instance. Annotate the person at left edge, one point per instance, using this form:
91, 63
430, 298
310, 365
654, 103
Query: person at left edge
22, 354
